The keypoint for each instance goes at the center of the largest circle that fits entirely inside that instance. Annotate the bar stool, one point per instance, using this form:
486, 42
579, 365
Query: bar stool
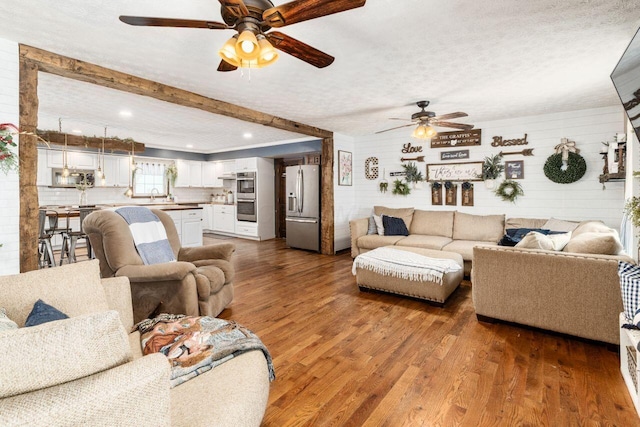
45, 248
70, 239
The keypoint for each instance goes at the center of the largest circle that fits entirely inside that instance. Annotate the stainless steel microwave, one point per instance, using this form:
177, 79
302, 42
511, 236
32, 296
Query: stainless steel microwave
76, 176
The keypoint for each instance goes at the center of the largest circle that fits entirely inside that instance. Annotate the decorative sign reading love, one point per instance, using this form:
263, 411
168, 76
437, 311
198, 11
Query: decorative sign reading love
408, 148
499, 142
459, 138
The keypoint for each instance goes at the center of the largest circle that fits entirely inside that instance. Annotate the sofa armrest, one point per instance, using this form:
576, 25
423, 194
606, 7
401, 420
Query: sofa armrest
576, 294
217, 251
358, 228
156, 272
135, 393
118, 293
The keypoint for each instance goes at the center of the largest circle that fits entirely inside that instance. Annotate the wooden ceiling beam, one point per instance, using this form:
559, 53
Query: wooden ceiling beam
110, 144
84, 71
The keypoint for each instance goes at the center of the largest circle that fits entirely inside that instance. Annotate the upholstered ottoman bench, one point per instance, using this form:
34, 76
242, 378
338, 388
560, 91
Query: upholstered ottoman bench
405, 271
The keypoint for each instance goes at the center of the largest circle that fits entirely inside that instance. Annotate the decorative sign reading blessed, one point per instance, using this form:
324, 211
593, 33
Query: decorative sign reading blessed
499, 142
459, 138
469, 171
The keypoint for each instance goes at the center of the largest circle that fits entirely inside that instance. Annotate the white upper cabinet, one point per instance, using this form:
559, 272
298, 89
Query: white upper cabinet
209, 175
116, 171
189, 173
75, 160
249, 164
44, 172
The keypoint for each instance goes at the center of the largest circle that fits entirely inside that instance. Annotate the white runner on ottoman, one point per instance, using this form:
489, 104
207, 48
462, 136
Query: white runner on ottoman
405, 265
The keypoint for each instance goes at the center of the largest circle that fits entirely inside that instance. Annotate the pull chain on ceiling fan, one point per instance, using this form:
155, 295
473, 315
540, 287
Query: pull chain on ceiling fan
253, 46
427, 119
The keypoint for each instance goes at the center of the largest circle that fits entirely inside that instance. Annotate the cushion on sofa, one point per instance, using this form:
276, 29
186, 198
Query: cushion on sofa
43, 313
555, 224
513, 236
465, 247
592, 227
57, 352
551, 242
525, 223
373, 228
374, 241
595, 243
394, 226
484, 228
424, 242
19, 292
432, 223
630, 290
405, 213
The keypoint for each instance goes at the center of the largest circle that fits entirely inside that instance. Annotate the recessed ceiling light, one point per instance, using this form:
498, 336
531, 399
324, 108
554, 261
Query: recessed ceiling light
126, 113
247, 135
189, 145
76, 131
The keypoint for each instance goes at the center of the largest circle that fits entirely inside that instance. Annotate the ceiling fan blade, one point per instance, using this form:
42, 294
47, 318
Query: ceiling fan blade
171, 22
451, 125
303, 10
225, 66
300, 50
236, 8
404, 120
450, 116
397, 127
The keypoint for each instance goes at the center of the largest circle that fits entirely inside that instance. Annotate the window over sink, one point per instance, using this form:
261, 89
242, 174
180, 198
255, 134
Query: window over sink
149, 179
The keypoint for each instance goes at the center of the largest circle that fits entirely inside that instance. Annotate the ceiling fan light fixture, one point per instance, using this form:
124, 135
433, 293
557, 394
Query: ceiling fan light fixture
423, 131
247, 46
268, 54
228, 51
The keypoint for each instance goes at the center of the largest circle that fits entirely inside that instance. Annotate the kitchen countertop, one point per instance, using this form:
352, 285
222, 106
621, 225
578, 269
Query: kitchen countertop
75, 210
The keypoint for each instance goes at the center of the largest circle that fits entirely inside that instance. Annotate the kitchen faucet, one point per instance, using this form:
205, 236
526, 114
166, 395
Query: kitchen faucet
153, 196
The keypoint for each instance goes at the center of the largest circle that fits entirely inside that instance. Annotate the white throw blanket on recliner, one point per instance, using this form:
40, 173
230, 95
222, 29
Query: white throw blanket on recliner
405, 265
148, 233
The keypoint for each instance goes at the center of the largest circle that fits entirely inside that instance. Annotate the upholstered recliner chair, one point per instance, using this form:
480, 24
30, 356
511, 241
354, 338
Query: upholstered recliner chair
199, 283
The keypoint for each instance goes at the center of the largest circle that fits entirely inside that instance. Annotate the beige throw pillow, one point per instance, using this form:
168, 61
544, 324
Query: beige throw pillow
555, 224
551, 242
595, 243
405, 213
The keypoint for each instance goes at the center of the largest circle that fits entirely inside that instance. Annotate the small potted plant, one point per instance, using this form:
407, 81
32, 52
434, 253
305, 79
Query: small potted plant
171, 174
491, 170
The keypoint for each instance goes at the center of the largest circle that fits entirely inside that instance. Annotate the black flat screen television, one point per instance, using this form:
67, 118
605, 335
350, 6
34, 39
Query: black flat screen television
626, 79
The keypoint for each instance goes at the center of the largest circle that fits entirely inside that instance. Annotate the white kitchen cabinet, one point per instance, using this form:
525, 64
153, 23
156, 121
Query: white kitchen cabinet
249, 229
228, 167
209, 176
44, 172
189, 173
191, 227
176, 216
75, 159
207, 217
248, 164
116, 171
224, 218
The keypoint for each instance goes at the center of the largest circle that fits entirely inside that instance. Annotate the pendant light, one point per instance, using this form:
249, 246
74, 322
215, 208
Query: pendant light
65, 169
129, 192
99, 170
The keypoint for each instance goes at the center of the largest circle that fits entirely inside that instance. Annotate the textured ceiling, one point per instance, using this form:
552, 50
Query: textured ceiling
492, 59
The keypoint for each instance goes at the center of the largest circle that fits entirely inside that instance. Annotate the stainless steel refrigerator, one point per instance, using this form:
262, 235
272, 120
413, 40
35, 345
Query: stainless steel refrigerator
303, 207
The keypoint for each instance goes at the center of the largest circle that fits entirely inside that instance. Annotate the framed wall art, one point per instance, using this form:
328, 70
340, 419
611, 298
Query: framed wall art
345, 168
468, 171
514, 169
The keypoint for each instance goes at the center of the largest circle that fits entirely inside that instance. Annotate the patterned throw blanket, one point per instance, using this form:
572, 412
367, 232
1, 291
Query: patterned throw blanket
195, 345
404, 265
148, 233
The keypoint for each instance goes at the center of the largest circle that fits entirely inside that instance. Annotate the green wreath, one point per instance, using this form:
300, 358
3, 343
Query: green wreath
401, 188
576, 168
509, 191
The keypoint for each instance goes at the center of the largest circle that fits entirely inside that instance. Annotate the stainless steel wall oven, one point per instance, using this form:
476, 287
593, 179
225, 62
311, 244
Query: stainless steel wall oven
246, 185
246, 210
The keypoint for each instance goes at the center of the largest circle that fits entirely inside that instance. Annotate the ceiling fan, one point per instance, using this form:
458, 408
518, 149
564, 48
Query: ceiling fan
427, 119
253, 46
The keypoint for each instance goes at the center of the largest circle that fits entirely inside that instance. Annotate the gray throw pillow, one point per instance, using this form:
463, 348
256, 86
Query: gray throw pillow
373, 229
6, 324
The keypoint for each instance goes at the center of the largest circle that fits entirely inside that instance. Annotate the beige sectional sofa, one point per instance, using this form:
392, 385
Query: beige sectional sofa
449, 231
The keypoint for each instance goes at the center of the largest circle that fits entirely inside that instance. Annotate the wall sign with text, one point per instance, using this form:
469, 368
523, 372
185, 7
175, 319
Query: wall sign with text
469, 171
459, 138
514, 169
454, 155
499, 142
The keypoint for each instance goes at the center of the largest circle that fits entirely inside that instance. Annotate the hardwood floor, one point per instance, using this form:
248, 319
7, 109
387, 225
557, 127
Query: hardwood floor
347, 358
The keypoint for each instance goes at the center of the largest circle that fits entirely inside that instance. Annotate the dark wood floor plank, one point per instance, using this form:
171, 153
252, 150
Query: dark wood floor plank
350, 358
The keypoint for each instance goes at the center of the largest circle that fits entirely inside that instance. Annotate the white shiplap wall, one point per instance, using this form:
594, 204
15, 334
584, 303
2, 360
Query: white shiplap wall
9, 191
344, 196
543, 198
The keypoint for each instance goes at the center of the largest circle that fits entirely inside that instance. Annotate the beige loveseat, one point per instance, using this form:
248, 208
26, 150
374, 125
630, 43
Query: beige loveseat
88, 370
449, 231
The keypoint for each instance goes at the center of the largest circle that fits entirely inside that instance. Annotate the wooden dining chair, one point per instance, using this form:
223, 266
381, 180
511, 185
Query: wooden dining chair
70, 240
46, 257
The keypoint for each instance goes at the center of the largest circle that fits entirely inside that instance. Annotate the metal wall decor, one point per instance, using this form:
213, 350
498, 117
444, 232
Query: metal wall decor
499, 142
371, 168
460, 138
408, 148
454, 155
415, 159
466, 171
514, 169
525, 152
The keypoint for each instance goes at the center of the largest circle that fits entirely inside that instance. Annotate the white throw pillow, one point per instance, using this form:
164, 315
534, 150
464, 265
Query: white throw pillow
378, 220
535, 240
559, 240
6, 324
